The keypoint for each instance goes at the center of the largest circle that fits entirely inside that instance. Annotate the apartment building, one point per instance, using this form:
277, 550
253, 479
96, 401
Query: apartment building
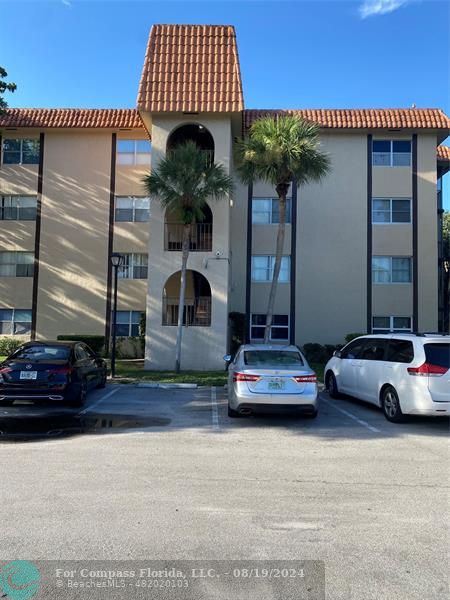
361, 251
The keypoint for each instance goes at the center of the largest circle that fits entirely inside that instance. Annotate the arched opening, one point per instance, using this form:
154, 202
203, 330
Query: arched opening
200, 234
197, 306
195, 133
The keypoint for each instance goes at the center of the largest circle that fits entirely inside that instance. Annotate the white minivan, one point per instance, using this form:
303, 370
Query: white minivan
405, 374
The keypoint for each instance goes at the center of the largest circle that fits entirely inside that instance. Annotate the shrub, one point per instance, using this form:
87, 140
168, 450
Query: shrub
142, 327
9, 344
129, 347
95, 342
351, 336
318, 353
237, 330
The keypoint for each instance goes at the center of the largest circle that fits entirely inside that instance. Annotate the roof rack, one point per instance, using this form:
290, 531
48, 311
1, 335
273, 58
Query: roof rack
431, 333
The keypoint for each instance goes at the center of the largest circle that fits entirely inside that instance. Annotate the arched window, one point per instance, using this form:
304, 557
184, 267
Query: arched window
197, 306
195, 133
201, 232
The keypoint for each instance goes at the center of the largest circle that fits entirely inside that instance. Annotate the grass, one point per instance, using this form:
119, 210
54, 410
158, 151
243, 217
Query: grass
132, 371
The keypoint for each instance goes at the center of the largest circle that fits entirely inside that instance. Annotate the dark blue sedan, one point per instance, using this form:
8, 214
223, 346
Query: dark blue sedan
60, 372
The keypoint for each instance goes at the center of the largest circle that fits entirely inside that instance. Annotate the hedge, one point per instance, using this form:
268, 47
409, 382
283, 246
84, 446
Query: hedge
95, 342
9, 344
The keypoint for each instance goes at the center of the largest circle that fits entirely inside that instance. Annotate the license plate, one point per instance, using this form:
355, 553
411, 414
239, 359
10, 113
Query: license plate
276, 385
28, 375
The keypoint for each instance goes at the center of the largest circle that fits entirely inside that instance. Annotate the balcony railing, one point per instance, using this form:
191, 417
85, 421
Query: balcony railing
201, 237
197, 313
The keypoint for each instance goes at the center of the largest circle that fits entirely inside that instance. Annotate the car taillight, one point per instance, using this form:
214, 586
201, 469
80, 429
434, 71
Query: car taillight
305, 378
61, 371
427, 370
246, 377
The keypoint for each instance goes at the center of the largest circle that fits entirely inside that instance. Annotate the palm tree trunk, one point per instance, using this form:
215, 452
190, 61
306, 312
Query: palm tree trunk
282, 193
184, 259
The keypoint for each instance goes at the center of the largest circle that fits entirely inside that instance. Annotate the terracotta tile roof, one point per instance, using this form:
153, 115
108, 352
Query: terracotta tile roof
110, 118
443, 153
191, 68
376, 118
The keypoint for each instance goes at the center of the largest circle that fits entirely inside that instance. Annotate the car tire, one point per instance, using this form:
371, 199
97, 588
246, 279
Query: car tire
311, 415
102, 383
391, 405
79, 400
233, 413
331, 385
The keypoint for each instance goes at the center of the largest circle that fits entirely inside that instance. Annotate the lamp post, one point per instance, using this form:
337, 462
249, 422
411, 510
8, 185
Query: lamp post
117, 261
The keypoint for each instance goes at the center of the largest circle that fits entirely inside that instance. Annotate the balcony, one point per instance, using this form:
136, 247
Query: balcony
200, 237
197, 312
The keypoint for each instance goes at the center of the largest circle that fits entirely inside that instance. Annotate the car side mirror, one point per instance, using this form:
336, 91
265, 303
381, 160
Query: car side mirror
337, 353
227, 358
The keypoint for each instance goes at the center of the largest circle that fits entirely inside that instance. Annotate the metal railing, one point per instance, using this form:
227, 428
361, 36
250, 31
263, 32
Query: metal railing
201, 237
197, 312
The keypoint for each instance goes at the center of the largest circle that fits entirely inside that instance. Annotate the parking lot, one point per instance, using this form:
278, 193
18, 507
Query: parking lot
165, 474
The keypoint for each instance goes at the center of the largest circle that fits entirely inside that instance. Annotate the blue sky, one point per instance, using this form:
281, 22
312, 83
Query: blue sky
361, 53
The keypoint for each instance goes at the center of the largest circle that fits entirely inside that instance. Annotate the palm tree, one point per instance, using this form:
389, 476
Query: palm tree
183, 182
281, 151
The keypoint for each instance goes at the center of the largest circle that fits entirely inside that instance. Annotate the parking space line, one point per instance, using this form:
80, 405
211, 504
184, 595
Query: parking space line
214, 409
105, 397
351, 416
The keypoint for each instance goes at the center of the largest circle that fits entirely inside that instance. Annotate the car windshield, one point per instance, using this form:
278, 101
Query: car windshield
272, 358
42, 352
438, 354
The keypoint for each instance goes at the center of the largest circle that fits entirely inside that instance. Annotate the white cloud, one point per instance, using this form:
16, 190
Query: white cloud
66, 2
372, 8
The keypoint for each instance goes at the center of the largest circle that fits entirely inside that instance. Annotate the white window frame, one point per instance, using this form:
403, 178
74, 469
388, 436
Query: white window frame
287, 327
271, 200
391, 328
13, 321
391, 153
132, 264
15, 262
130, 322
269, 268
391, 222
133, 208
134, 153
21, 140
15, 198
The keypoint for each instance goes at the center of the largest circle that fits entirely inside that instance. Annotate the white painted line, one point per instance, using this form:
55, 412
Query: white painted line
105, 397
345, 412
215, 412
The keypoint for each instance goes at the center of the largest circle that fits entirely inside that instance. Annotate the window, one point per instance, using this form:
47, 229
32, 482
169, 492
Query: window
438, 354
266, 210
133, 152
391, 324
262, 268
391, 269
400, 351
272, 358
279, 329
391, 153
15, 321
128, 322
81, 353
132, 209
16, 264
353, 349
135, 266
20, 152
18, 208
391, 210
374, 349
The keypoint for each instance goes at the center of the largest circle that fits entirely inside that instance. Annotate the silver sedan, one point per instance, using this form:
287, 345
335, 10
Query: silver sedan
262, 378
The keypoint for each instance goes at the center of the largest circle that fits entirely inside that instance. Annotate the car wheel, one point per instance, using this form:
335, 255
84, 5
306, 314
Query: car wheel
233, 413
312, 415
391, 405
80, 398
102, 383
331, 385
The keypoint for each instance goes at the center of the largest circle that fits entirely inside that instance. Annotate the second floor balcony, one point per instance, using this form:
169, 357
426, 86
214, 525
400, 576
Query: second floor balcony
200, 237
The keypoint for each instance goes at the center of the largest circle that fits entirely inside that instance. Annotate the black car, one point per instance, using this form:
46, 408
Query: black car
55, 371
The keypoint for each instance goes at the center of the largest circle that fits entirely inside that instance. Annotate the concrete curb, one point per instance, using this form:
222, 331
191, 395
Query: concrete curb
168, 386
